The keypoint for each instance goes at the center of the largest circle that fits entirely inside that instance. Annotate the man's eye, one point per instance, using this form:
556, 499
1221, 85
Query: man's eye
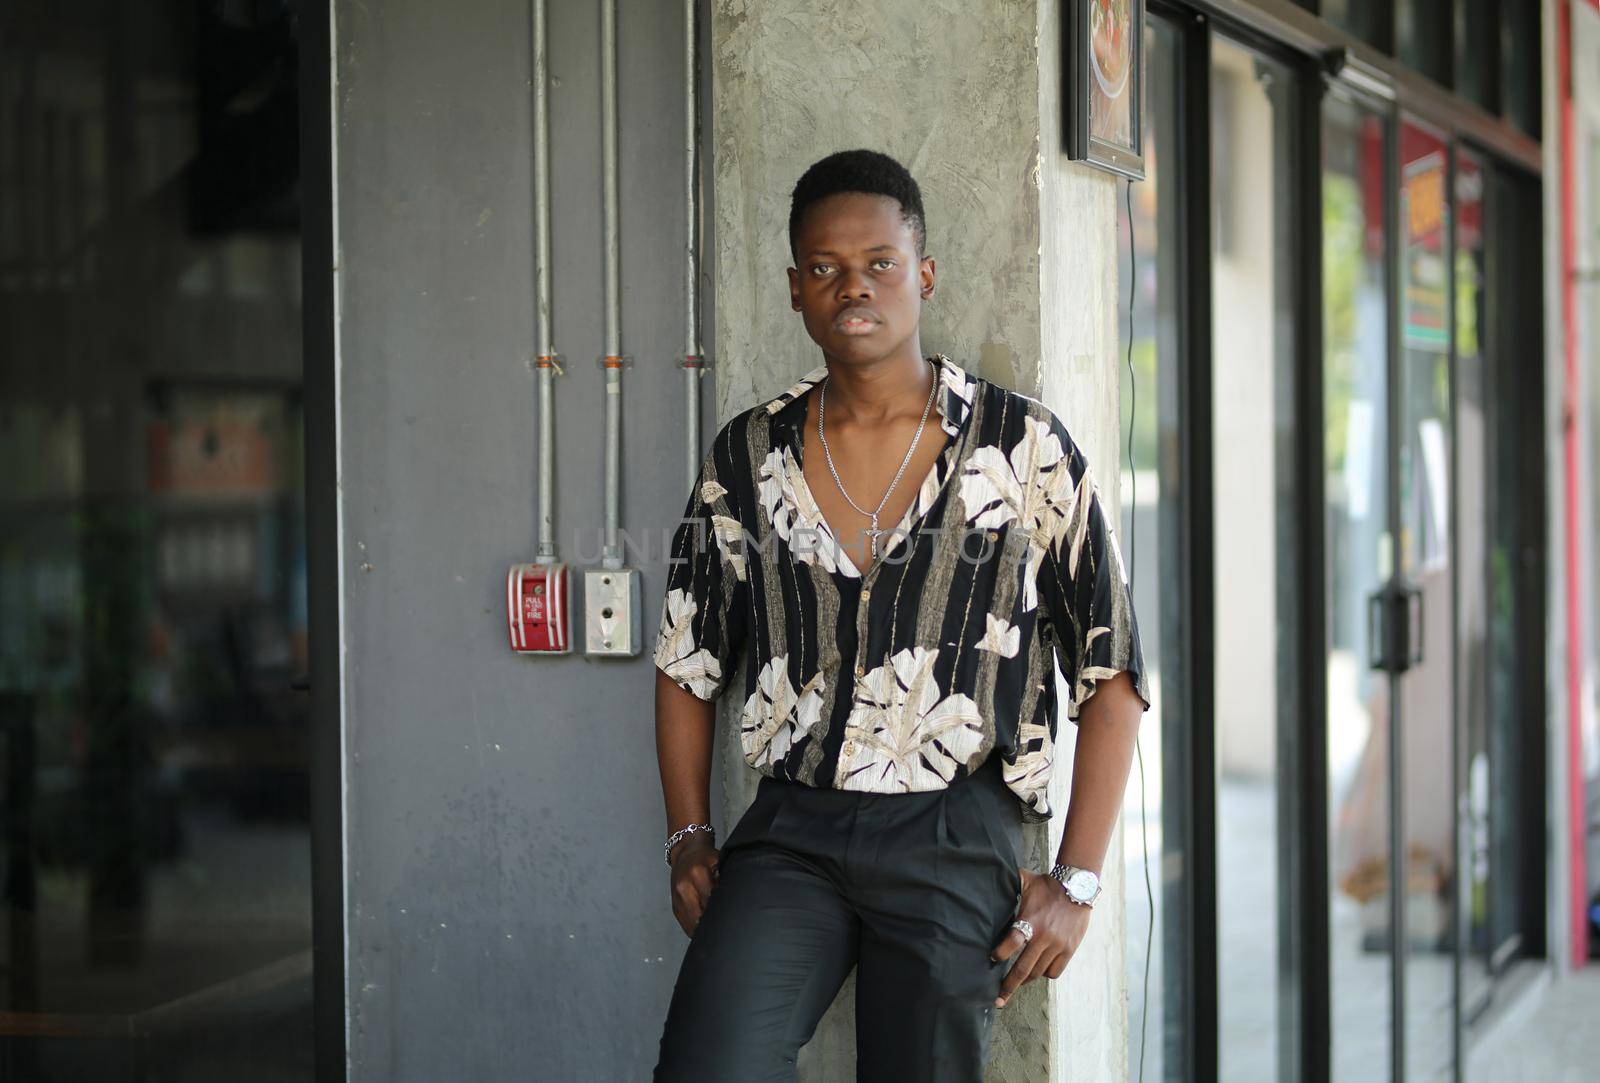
890, 262
815, 267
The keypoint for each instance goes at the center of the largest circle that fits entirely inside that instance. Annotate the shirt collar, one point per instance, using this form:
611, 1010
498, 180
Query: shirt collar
956, 387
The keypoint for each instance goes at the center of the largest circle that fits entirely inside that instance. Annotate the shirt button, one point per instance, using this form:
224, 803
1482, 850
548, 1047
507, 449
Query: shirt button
993, 535
861, 671
866, 593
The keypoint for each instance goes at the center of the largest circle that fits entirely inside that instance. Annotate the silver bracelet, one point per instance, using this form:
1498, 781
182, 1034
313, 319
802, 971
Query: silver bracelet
678, 835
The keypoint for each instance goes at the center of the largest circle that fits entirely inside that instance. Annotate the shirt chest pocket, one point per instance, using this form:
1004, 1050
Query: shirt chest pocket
1006, 569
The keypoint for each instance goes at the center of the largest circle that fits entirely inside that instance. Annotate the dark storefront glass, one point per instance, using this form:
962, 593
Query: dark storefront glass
1477, 52
1514, 916
1521, 46
1472, 611
157, 905
1370, 20
1499, 405
1423, 37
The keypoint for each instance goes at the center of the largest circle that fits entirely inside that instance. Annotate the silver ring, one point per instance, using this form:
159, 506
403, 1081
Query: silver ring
1025, 927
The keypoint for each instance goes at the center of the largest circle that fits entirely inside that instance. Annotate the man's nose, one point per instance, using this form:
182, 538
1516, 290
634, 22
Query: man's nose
854, 284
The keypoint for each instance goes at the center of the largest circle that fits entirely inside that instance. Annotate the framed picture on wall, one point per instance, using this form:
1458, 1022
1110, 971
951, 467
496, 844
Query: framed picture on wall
1105, 80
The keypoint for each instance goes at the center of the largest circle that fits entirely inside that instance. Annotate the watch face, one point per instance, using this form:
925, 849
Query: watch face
1082, 884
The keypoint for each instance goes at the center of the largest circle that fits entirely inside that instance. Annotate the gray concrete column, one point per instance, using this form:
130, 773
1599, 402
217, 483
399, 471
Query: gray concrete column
968, 99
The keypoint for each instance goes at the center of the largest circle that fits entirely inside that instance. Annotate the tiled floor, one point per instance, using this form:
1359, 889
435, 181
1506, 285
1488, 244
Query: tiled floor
1517, 1046
1553, 1038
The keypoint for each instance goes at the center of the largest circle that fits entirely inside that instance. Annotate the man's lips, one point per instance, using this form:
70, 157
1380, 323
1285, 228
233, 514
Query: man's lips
856, 322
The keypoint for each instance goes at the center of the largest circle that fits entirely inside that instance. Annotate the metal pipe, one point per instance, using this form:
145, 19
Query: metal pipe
612, 361
545, 355
693, 363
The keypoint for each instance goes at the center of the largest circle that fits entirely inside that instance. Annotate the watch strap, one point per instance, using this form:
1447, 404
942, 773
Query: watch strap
1060, 873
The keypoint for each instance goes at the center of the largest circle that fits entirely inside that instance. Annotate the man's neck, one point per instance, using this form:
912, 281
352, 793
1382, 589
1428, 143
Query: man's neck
879, 391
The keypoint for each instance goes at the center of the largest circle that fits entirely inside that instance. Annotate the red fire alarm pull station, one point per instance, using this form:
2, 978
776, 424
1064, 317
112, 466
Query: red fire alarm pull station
537, 597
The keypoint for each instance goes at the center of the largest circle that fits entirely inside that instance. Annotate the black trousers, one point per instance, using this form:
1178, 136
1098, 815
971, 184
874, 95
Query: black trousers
913, 889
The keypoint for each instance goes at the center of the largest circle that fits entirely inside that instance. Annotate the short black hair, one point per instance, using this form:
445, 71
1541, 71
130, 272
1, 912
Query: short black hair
859, 170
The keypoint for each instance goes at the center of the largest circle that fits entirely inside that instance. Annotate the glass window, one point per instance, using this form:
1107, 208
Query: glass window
1155, 804
1255, 546
153, 745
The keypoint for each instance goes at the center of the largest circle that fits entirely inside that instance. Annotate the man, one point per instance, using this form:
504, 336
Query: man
904, 552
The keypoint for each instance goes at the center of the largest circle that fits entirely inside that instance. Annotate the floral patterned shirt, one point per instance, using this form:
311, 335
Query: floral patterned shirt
911, 675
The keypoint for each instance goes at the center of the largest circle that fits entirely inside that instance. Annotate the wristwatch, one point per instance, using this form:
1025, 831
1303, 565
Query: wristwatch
1081, 885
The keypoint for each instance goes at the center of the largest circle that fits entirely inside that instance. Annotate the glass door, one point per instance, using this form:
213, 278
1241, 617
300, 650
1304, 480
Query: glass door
1355, 373
1421, 787
1389, 314
1421, 615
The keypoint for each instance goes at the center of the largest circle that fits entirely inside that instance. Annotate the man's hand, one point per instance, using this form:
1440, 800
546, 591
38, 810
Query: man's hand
1059, 925
694, 874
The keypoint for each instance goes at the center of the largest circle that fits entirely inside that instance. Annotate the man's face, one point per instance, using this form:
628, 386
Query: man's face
858, 283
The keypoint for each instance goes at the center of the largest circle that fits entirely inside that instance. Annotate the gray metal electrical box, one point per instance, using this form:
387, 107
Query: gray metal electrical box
612, 621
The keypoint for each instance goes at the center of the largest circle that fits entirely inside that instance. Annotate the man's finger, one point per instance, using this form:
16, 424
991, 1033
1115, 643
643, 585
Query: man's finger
1057, 965
1020, 972
680, 910
1008, 945
700, 876
689, 899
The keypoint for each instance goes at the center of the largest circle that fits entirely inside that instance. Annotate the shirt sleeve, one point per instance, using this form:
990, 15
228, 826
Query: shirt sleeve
703, 616
1084, 596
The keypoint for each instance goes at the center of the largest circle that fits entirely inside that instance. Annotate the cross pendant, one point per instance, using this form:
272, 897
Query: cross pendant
873, 535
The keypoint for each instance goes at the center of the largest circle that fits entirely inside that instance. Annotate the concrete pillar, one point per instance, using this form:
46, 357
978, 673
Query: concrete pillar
969, 100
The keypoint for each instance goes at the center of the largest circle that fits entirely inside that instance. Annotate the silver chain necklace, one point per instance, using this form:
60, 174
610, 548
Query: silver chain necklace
822, 407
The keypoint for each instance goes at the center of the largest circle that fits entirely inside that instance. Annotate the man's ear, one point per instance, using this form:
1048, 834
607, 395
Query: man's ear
794, 289
926, 271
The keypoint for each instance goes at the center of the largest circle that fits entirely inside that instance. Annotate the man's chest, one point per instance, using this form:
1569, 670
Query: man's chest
865, 485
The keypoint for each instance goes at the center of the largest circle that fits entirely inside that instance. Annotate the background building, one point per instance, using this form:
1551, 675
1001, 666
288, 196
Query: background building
278, 803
